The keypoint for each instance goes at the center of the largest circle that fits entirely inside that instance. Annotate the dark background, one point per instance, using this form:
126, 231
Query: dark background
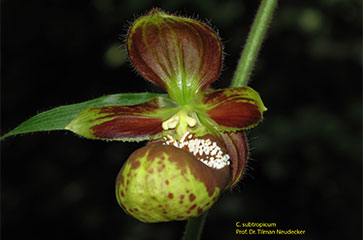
305, 170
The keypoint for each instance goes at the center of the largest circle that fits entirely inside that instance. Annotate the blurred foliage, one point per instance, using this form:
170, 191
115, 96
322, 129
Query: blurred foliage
305, 169
114, 57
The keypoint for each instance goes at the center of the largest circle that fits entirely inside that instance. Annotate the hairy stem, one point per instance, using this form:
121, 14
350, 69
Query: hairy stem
253, 44
194, 228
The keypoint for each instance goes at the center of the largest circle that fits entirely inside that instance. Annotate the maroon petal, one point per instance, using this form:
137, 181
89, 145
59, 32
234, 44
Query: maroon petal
126, 123
234, 109
237, 148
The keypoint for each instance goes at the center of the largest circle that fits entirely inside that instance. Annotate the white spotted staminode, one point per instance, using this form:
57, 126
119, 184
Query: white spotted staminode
205, 150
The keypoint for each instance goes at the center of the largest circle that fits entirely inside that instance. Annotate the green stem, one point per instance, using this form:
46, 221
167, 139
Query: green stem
253, 44
194, 227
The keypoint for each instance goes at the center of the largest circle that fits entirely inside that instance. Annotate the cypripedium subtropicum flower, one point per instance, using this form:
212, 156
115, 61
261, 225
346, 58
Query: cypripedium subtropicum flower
197, 147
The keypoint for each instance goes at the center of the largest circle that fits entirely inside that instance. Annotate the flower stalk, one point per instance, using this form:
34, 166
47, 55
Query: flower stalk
253, 44
194, 227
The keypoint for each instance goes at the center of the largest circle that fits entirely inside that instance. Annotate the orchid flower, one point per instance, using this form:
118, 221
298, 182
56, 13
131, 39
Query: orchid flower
197, 147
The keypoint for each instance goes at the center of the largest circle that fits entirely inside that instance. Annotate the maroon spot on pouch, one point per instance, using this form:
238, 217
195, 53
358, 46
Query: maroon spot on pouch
192, 207
191, 197
200, 210
181, 199
167, 182
135, 164
161, 168
170, 195
151, 170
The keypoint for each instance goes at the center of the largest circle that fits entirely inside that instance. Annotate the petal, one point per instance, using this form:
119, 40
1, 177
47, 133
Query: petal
178, 54
125, 123
237, 148
234, 109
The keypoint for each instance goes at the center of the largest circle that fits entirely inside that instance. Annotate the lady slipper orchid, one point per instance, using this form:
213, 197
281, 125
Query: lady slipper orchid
197, 147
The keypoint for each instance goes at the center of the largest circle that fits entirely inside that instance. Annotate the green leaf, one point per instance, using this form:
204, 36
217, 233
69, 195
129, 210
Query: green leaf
58, 118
